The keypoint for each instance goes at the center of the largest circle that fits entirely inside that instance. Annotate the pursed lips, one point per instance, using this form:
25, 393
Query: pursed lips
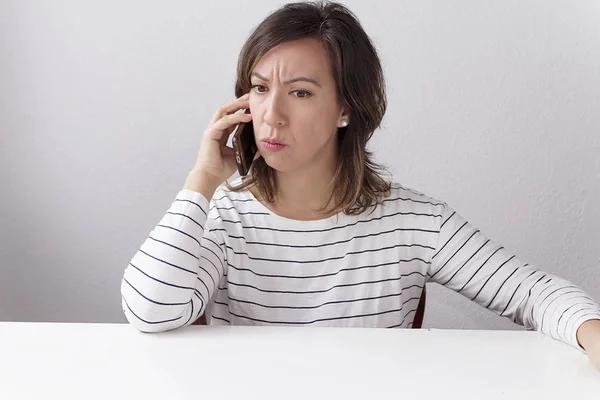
273, 142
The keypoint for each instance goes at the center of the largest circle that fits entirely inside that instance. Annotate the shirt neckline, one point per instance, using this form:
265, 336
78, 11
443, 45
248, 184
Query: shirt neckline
315, 223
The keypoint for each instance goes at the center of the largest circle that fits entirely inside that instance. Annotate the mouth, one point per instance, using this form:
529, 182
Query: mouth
272, 145
273, 142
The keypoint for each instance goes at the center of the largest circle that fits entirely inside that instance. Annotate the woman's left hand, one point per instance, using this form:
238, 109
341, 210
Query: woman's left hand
588, 336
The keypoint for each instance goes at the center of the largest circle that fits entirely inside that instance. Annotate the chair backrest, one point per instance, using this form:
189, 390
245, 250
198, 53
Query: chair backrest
201, 320
417, 322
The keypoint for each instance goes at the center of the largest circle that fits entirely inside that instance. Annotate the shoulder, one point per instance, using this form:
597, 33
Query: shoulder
402, 196
413, 207
225, 197
235, 205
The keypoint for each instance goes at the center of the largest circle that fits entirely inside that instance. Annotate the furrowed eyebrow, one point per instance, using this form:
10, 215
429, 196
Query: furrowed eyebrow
298, 79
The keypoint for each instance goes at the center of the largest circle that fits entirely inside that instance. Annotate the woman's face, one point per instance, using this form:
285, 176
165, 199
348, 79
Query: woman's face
294, 106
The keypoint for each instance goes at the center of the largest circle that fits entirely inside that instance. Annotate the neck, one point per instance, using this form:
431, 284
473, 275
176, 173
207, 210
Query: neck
307, 189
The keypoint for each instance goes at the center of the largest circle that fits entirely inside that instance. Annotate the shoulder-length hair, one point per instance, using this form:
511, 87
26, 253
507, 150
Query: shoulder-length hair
357, 183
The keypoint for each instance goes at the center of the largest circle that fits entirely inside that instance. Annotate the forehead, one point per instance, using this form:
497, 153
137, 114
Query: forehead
305, 57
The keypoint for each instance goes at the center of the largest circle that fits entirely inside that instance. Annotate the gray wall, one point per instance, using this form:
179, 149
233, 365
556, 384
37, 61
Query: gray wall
494, 107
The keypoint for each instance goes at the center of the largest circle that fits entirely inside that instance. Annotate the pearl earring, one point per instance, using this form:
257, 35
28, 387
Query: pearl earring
344, 123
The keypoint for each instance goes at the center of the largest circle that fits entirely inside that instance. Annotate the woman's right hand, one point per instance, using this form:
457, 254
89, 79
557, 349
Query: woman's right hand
216, 161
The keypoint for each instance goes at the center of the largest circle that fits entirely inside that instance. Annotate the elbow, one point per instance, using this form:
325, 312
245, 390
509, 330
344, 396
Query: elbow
137, 322
140, 319
149, 319
147, 314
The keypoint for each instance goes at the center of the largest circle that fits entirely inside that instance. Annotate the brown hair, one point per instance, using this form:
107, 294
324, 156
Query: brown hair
357, 183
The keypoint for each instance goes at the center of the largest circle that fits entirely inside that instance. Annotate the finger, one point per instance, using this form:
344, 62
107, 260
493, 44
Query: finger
230, 120
221, 130
229, 108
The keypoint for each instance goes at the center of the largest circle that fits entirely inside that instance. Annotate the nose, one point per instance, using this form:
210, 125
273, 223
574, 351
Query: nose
274, 115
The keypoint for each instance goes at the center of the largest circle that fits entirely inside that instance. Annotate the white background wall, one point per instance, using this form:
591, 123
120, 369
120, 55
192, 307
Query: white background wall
494, 107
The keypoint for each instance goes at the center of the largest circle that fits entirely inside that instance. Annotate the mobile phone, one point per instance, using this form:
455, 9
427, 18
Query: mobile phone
244, 146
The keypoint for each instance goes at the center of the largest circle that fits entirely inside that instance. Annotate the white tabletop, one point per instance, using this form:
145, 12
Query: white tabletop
113, 361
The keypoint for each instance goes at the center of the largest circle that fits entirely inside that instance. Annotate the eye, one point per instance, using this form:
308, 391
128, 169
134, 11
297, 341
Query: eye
257, 87
302, 94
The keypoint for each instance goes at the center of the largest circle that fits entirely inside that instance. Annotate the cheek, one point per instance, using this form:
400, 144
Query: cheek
319, 128
313, 139
316, 119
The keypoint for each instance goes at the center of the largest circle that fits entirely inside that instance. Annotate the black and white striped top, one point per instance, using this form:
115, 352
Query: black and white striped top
245, 265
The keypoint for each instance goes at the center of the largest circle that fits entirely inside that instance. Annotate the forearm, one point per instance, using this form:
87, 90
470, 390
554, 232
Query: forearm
588, 337
588, 334
558, 308
201, 182
159, 286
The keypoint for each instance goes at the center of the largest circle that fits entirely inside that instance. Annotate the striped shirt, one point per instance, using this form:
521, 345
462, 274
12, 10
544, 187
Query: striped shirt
242, 264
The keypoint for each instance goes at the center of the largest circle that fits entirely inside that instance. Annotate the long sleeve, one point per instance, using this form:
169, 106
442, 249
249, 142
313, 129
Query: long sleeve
466, 261
175, 273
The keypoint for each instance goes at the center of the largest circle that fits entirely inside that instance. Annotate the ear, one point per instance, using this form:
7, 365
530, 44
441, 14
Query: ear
344, 118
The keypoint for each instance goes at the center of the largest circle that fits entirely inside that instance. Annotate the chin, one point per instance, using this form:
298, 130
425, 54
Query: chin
277, 163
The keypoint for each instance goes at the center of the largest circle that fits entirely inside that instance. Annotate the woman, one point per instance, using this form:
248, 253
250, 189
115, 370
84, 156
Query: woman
315, 235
